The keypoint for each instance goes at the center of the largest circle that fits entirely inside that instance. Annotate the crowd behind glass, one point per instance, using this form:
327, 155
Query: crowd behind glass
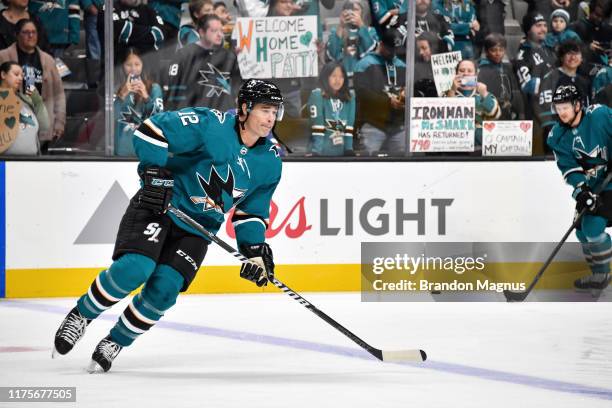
171, 54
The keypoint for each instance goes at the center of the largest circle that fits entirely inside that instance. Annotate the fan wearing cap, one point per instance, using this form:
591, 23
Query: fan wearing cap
596, 32
581, 142
560, 33
205, 163
533, 60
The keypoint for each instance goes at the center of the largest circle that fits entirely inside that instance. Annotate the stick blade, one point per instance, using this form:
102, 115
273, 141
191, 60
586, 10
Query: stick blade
404, 355
515, 296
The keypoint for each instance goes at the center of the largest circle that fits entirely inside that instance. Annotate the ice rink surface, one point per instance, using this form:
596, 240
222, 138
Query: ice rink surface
268, 351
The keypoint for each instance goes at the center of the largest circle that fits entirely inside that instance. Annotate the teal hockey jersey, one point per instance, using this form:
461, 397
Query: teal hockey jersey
582, 153
332, 122
213, 171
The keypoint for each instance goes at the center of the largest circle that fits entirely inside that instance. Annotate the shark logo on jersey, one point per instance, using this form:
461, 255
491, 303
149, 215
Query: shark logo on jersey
221, 195
336, 125
215, 80
131, 118
592, 162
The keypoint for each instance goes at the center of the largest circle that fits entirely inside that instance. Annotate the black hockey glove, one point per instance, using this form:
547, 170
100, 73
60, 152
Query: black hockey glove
260, 268
156, 191
586, 199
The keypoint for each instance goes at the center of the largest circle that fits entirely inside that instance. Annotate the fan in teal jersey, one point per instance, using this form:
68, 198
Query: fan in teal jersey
205, 163
582, 142
332, 113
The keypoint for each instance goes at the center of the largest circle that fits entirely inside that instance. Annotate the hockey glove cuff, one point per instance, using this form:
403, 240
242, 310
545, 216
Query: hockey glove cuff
156, 191
260, 268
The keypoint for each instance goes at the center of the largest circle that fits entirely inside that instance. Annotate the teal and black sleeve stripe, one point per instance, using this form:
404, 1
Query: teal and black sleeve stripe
151, 134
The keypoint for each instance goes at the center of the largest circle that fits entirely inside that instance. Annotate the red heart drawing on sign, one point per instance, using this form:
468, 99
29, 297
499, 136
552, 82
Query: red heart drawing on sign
525, 126
489, 126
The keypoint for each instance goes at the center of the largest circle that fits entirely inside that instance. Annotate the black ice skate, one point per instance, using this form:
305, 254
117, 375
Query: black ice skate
70, 331
590, 284
103, 356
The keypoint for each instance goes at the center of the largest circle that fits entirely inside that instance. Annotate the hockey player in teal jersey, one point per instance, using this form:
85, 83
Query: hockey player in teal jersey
332, 113
582, 142
203, 162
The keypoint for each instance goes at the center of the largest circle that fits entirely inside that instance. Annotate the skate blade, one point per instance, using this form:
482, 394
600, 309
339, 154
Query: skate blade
95, 368
597, 293
55, 353
587, 290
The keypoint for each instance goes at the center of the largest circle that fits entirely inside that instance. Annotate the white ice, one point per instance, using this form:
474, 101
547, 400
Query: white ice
489, 355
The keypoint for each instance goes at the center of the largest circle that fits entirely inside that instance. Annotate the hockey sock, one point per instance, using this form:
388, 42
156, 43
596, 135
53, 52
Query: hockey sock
158, 295
113, 284
601, 251
586, 248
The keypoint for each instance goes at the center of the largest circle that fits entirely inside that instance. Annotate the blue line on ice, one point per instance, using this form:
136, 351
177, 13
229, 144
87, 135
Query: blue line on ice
449, 368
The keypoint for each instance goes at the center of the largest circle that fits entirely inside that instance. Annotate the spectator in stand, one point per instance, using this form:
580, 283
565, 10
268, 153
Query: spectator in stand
170, 13
559, 31
596, 32
226, 18
424, 85
352, 39
332, 113
39, 70
466, 85
428, 21
569, 55
602, 85
221, 10
33, 115
91, 9
16, 10
135, 25
499, 78
188, 33
380, 87
491, 15
136, 99
546, 7
61, 20
290, 87
284, 8
464, 25
204, 73
533, 60
386, 12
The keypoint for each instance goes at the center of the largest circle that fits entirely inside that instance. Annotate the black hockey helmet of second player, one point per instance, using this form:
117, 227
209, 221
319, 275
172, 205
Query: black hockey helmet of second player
255, 91
565, 94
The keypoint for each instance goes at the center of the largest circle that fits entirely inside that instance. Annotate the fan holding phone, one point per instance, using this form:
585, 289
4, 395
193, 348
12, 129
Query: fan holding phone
466, 85
136, 99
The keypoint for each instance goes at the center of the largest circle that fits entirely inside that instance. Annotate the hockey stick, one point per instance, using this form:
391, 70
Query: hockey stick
520, 296
382, 355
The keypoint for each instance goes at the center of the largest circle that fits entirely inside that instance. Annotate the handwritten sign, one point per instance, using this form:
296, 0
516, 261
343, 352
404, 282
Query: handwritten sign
444, 66
507, 138
442, 124
277, 47
10, 106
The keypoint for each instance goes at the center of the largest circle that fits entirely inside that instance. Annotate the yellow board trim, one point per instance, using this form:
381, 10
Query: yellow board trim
72, 282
